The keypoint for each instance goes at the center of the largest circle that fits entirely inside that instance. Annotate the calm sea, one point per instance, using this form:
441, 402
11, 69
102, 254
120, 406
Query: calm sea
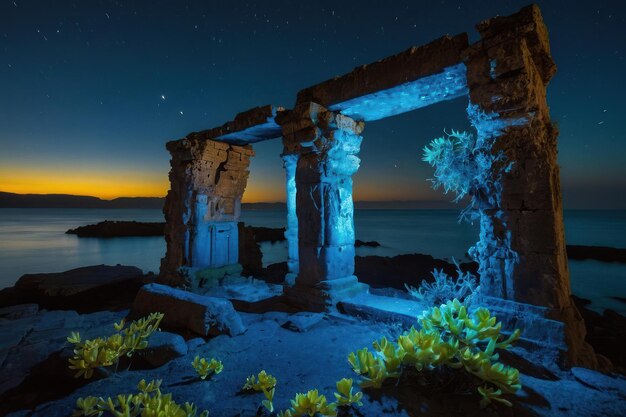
34, 240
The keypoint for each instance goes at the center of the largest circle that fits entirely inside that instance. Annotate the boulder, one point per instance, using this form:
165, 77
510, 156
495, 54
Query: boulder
184, 310
87, 289
606, 332
19, 311
162, 348
302, 322
76, 280
599, 380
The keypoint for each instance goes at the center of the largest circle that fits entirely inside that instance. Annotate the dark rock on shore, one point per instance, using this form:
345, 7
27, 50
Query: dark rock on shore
109, 228
386, 272
605, 332
370, 244
250, 255
87, 289
266, 234
597, 253
394, 272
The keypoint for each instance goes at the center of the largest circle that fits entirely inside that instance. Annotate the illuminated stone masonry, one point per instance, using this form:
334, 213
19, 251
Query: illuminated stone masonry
521, 247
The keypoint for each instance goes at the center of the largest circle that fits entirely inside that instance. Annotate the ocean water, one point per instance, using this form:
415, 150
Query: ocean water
34, 240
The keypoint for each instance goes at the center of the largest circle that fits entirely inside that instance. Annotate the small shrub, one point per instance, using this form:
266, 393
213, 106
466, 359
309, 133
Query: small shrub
466, 165
449, 337
148, 402
205, 368
444, 288
106, 351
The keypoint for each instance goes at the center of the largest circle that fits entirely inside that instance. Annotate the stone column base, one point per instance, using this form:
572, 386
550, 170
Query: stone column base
546, 340
324, 295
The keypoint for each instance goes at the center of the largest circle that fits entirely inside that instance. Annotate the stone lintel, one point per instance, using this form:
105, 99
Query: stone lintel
405, 67
250, 126
448, 84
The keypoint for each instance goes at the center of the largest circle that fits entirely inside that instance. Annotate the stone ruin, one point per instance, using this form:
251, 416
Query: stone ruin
521, 250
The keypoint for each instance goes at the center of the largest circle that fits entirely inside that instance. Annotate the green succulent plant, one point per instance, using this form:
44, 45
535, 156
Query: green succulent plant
372, 368
205, 368
344, 395
311, 404
148, 402
449, 336
264, 383
106, 351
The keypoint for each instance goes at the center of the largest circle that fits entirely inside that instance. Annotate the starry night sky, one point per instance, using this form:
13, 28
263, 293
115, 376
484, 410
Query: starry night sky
90, 91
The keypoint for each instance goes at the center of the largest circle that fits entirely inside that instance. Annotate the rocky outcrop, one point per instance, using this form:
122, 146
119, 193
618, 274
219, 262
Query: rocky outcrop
250, 255
597, 253
187, 311
163, 347
110, 228
411, 269
86, 289
370, 244
34, 353
606, 332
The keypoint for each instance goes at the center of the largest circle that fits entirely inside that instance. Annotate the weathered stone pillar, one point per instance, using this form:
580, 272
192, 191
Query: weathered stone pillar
202, 207
327, 144
522, 246
290, 162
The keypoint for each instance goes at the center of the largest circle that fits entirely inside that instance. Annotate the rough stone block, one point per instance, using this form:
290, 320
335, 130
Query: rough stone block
162, 348
188, 311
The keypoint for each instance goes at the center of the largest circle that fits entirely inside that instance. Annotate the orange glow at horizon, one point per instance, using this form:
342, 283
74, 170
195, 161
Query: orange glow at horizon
105, 185
109, 184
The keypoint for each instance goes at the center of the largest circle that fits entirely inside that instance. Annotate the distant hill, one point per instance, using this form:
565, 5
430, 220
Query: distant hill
12, 200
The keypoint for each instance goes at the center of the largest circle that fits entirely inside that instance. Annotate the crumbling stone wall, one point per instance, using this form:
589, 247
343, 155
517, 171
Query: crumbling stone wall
522, 246
207, 180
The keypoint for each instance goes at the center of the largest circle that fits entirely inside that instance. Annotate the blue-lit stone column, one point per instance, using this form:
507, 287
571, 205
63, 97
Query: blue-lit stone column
290, 163
327, 144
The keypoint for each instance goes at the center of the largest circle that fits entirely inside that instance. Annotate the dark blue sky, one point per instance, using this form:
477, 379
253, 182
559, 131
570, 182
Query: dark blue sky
90, 91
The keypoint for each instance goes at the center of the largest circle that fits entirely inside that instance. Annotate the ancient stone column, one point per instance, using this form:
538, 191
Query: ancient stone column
327, 144
290, 162
522, 246
202, 207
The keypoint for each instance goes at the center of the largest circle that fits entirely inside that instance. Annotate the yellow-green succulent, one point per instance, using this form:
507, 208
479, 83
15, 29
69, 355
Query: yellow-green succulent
205, 368
148, 402
264, 383
449, 336
344, 395
312, 404
372, 368
106, 351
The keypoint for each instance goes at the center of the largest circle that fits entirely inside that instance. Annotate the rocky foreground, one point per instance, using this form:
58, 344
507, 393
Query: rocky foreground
303, 350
